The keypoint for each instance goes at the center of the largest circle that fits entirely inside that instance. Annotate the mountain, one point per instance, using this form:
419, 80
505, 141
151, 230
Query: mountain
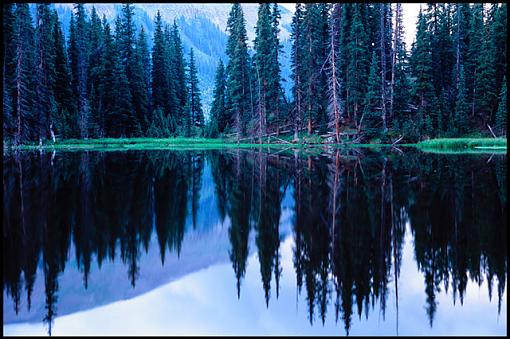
202, 27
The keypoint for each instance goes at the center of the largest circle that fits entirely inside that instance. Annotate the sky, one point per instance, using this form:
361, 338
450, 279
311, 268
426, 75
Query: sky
410, 13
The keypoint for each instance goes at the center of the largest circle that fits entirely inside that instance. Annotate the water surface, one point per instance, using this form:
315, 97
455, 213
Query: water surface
351, 242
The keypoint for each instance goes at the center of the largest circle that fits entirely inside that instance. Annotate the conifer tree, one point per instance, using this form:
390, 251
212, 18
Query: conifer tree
106, 89
502, 112
144, 58
195, 102
421, 66
297, 66
178, 66
485, 94
461, 118
312, 64
335, 76
96, 49
471, 65
275, 90
238, 94
175, 113
80, 70
23, 96
122, 118
373, 100
357, 69
8, 68
399, 89
159, 69
218, 119
498, 34
263, 48
45, 106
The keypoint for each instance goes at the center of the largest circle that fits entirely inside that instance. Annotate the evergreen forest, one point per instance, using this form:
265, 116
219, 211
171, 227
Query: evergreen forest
352, 76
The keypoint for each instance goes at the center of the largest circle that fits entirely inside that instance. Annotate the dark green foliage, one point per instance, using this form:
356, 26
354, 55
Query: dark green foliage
421, 68
24, 81
96, 49
218, 118
178, 73
195, 104
372, 111
358, 65
461, 118
80, 70
485, 94
159, 67
8, 68
238, 93
502, 112
45, 105
297, 59
160, 125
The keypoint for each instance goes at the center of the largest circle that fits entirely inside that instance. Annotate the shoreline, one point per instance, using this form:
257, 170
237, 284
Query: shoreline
447, 145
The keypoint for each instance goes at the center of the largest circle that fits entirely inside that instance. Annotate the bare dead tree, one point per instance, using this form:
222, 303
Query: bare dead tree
335, 83
382, 40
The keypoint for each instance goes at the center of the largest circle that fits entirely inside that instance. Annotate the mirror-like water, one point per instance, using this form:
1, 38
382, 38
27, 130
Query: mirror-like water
250, 242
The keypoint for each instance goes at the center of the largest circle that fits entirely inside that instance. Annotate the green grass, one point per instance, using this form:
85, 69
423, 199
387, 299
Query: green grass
145, 144
454, 145
462, 145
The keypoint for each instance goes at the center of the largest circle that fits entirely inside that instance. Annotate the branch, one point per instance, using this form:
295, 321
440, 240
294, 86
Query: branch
490, 129
397, 140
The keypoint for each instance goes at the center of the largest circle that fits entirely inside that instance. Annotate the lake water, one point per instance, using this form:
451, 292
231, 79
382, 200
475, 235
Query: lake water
356, 242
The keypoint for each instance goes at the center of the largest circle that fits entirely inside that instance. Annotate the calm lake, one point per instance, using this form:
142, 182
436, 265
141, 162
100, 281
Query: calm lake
356, 242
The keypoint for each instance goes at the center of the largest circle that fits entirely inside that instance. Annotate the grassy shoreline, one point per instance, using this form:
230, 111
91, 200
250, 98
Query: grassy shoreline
463, 145
434, 145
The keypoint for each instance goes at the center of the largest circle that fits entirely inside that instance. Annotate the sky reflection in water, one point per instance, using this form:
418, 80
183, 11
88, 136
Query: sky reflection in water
202, 297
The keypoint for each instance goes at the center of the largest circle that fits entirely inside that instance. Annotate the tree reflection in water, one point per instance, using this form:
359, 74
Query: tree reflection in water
350, 214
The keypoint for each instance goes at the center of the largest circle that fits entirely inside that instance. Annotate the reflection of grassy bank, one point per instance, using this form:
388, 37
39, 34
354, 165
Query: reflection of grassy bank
463, 145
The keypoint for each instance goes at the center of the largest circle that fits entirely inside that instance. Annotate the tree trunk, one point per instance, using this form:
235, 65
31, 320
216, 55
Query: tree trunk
383, 64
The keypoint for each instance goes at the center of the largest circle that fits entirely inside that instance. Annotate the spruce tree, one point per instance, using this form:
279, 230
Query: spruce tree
45, 72
485, 94
313, 62
8, 68
144, 58
23, 96
122, 119
65, 125
357, 69
81, 69
372, 105
275, 91
159, 67
178, 67
501, 113
238, 94
106, 89
461, 119
336, 78
217, 117
400, 87
174, 111
96, 49
263, 45
471, 65
297, 67
421, 66
498, 34
195, 102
